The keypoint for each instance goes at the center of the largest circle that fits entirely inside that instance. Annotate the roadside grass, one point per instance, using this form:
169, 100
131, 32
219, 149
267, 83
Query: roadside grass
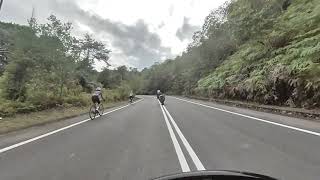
22, 121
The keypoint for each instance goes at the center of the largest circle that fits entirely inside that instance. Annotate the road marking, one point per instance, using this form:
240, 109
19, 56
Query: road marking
191, 152
56, 131
251, 117
182, 160
122, 107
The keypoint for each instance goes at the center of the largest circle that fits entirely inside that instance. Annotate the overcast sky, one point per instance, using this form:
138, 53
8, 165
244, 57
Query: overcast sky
139, 32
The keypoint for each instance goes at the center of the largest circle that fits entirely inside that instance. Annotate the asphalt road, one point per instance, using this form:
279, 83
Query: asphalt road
145, 140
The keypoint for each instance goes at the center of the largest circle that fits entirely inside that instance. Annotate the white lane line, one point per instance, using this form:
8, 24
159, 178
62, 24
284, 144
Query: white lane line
191, 152
251, 117
55, 131
182, 160
122, 107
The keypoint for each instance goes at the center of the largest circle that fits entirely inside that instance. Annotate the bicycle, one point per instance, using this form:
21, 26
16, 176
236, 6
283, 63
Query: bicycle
131, 99
162, 98
93, 112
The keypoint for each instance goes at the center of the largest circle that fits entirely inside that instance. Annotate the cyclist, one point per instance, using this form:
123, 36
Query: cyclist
162, 98
97, 97
158, 93
131, 95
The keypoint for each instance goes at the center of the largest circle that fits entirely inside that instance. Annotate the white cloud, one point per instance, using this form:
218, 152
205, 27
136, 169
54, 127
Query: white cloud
83, 27
167, 12
160, 19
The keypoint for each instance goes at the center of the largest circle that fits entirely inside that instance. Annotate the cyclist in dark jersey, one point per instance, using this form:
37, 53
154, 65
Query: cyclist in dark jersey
97, 96
131, 96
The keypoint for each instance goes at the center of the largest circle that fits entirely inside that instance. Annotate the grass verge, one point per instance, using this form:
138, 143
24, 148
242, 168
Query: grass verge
22, 121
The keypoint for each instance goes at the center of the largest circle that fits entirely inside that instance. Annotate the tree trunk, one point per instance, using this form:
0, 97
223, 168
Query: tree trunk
61, 88
1, 1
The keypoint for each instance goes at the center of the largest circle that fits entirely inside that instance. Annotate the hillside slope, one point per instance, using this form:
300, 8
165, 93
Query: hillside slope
279, 67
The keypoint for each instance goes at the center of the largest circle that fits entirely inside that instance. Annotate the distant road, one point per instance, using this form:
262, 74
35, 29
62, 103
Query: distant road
146, 140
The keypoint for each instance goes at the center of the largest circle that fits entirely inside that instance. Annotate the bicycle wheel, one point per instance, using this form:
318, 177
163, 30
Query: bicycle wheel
101, 109
92, 112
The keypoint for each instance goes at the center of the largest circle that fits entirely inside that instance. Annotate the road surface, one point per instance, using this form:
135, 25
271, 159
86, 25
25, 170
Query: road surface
145, 140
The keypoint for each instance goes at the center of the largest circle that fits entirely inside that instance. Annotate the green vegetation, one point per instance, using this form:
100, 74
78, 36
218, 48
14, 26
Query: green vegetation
43, 66
25, 120
261, 51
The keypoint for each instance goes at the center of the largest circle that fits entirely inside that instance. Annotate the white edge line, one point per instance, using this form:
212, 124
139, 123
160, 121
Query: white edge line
191, 152
122, 107
258, 119
182, 160
55, 131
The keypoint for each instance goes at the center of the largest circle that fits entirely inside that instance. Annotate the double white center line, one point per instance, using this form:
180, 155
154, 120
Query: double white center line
183, 163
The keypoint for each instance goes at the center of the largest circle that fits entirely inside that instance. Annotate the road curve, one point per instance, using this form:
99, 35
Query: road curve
146, 140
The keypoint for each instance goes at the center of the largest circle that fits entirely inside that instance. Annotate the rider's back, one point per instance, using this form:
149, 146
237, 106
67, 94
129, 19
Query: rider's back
96, 93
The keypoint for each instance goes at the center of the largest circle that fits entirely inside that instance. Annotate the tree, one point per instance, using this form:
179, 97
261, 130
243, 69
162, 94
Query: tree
86, 51
93, 50
1, 2
3, 58
109, 78
17, 72
224, 31
122, 70
56, 52
47, 66
16, 77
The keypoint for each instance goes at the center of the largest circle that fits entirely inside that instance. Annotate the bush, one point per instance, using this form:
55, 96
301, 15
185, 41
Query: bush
41, 100
78, 101
7, 109
119, 94
279, 40
44, 100
10, 108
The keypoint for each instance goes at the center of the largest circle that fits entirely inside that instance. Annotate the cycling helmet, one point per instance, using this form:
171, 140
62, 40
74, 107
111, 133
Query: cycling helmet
98, 89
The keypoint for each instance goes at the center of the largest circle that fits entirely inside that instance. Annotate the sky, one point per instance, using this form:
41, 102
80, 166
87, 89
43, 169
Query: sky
139, 32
